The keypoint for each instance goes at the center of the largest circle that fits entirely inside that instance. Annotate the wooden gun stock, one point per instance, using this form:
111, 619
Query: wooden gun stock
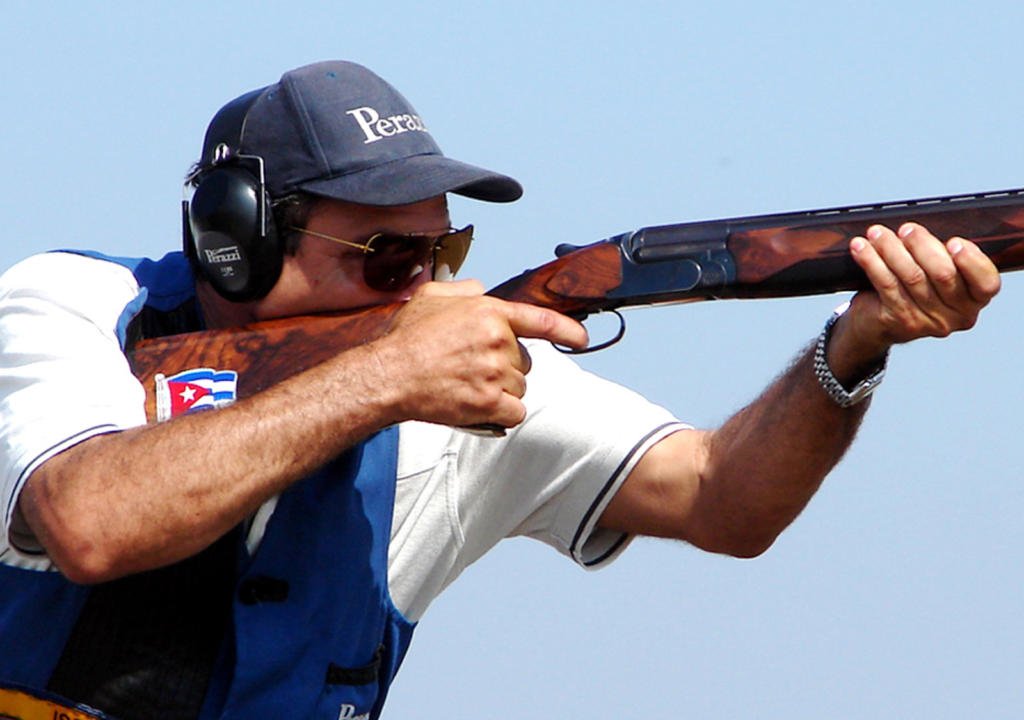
780, 255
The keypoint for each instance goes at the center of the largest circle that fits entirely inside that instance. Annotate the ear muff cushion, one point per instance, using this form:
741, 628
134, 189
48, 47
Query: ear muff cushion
235, 252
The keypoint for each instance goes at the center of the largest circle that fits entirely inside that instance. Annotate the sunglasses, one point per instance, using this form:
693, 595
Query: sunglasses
391, 262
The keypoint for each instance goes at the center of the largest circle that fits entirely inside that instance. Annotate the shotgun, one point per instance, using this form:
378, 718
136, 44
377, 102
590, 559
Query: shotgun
760, 256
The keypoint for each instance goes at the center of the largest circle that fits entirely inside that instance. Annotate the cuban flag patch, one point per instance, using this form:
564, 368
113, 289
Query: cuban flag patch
194, 390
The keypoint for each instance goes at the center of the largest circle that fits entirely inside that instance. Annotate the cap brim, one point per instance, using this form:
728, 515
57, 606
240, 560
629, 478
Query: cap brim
416, 178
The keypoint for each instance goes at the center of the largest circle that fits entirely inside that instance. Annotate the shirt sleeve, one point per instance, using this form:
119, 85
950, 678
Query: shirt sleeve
63, 375
553, 476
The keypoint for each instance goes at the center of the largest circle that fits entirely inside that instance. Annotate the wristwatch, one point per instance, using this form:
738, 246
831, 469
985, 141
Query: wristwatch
832, 387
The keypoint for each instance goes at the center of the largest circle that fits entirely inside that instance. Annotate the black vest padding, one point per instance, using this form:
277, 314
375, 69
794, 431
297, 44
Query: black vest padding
144, 646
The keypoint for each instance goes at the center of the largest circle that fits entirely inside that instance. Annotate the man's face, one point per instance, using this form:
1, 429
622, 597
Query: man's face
327, 276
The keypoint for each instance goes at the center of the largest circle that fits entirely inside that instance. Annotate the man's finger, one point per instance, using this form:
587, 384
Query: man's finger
980, 275
936, 261
532, 321
884, 281
903, 265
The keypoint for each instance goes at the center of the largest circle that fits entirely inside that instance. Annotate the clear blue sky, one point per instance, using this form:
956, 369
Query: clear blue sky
898, 592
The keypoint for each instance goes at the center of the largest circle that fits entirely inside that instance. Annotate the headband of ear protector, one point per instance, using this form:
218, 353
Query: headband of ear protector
228, 225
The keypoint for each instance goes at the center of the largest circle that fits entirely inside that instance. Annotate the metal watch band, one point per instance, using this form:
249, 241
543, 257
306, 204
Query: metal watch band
833, 388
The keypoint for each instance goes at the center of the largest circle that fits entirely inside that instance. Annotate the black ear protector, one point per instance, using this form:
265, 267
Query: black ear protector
228, 226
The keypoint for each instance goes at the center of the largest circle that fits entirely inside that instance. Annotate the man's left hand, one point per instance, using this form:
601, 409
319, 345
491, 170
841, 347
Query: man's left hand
923, 287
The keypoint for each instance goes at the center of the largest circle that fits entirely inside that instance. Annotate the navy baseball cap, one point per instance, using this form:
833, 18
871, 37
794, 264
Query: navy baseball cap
337, 130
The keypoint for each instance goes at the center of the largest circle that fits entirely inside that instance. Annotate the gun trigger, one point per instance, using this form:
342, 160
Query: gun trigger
600, 346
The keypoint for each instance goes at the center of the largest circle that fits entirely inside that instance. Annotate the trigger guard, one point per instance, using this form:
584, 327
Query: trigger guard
600, 346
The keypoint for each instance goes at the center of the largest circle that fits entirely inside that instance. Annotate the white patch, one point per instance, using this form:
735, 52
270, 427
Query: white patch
376, 128
348, 712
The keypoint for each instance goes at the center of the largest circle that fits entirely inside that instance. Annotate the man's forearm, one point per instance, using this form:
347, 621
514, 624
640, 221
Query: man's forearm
146, 497
734, 489
766, 462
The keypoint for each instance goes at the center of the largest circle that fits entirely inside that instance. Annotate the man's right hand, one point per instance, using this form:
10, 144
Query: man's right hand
452, 355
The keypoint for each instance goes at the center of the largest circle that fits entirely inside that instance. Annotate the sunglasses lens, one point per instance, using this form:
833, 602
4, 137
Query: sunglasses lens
451, 252
395, 261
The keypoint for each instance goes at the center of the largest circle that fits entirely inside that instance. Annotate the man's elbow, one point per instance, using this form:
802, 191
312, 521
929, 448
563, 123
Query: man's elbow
80, 559
86, 566
740, 542
749, 548
73, 544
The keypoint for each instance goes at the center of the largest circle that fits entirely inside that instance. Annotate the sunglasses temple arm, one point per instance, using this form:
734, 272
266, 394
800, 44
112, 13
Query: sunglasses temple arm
365, 247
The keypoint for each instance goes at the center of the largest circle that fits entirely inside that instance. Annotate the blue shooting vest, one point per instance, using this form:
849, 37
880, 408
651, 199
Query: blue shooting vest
304, 628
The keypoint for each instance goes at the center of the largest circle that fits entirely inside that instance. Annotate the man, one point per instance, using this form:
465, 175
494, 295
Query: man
270, 558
